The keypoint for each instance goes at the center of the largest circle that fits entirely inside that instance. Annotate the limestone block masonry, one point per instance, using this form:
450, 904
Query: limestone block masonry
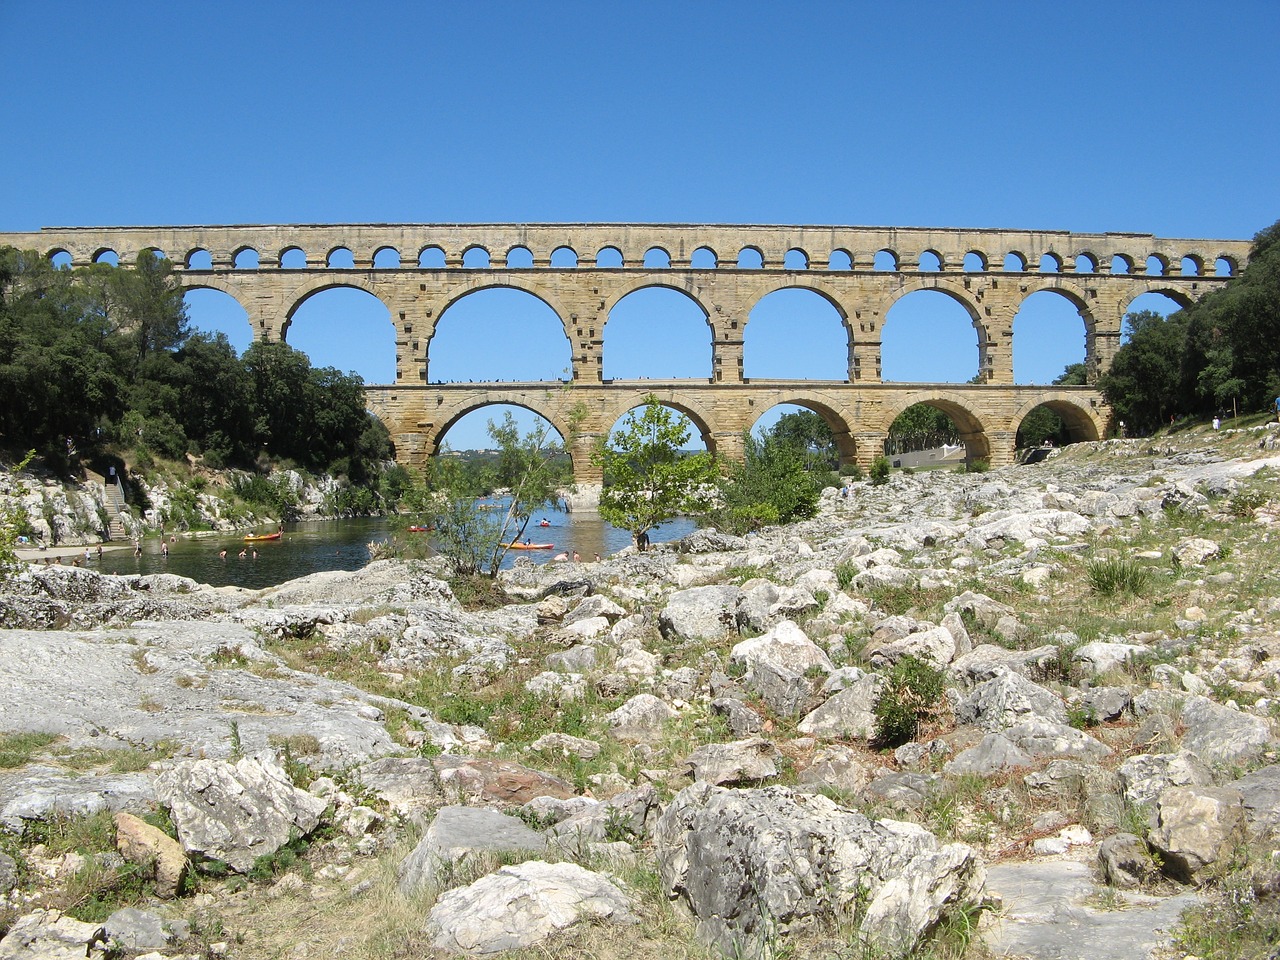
419, 270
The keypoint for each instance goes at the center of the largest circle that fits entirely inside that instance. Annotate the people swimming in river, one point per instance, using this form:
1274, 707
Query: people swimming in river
222, 554
242, 554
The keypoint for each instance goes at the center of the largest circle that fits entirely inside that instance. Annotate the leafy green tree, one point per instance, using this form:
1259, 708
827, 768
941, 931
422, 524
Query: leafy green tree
1143, 384
1073, 374
920, 427
771, 485
647, 479
57, 377
810, 435
154, 314
12, 522
216, 400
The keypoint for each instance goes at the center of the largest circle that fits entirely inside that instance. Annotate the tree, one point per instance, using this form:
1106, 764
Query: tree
13, 522
1143, 384
1042, 423
920, 427
771, 485
810, 435
647, 479
477, 540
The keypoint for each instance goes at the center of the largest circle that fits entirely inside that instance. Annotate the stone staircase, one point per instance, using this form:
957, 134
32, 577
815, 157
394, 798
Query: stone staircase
113, 500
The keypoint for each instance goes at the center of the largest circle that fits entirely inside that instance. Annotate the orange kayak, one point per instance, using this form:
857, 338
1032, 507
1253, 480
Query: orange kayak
530, 546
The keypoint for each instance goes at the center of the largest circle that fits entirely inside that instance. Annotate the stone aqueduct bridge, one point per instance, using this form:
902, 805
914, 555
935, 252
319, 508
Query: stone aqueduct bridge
1100, 274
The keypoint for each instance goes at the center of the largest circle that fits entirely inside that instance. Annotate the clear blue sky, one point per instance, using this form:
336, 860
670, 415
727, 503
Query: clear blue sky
1145, 117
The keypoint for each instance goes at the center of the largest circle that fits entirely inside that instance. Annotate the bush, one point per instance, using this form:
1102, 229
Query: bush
1112, 576
977, 466
853, 471
879, 471
909, 694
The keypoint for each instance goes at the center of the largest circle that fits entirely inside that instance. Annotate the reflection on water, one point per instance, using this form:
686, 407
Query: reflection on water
313, 546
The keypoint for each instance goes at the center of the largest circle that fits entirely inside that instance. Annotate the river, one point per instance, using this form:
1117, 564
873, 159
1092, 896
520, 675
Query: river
316, 545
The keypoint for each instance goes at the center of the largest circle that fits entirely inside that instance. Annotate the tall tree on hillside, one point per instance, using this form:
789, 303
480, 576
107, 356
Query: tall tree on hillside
57, 379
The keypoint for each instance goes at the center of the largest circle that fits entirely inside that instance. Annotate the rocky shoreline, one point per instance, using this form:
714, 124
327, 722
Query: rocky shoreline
675, 753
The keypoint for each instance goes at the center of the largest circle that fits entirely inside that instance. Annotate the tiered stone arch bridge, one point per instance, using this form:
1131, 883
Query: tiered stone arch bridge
581, 270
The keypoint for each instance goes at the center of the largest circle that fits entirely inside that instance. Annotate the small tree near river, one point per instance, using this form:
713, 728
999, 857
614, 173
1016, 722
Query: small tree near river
647, 479
477, 539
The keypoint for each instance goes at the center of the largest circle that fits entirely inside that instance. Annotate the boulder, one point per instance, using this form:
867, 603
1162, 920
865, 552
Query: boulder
1194, 828
982, 662
640, 718
629, 815
1007, 699
593, 606
1145, 776
740, 761
236, 812
848, 714
568, 745
133, 929
743, 721
701, 613
834, 767
1125, 861
458, 834
1019, 745
522, 905
486, 780
749, 863
783, 666
1221, 735
48, 935
141, 843
1260, 794
935, 646
1100, 657
1196, 550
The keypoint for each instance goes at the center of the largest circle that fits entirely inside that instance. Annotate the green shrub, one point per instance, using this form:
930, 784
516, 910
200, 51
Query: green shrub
909, 695
845, 573
853, 471
1117, 575
879, 471
977, 466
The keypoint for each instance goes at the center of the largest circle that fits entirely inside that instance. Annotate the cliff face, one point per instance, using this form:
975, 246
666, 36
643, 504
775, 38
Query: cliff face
94, 510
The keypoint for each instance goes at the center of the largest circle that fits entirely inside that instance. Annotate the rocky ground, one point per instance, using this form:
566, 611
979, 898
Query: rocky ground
682, 753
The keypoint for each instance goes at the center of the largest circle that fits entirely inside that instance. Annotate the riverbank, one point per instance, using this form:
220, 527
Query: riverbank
67, 553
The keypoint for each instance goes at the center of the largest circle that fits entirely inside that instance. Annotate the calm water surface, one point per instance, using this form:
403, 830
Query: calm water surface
316, 545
